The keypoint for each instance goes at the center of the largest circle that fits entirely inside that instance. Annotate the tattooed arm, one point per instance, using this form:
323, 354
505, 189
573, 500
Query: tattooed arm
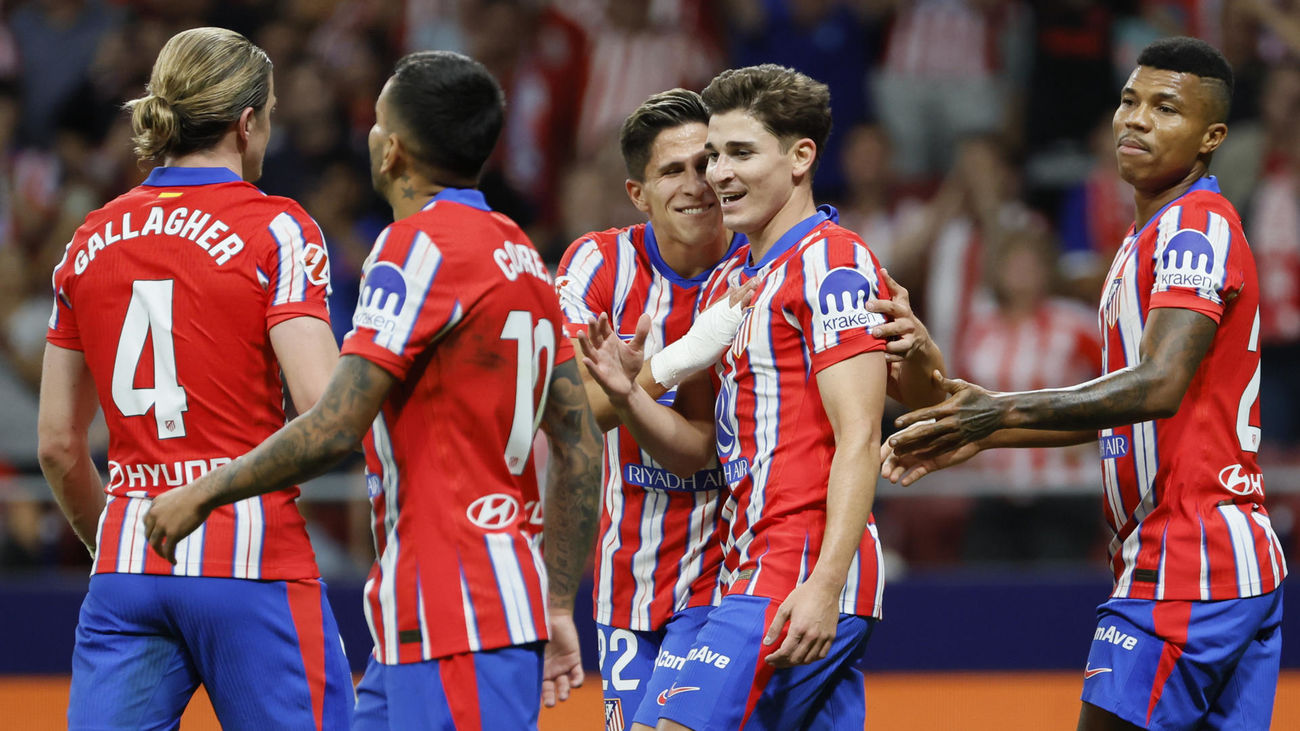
570, 513
1173, 345
304, 448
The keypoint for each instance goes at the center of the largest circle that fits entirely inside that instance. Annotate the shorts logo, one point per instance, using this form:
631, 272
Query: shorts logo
613, 714
708, 657
1114, 637
842, 302
383, 295
1235, 482
666, 694
317, 262
1188, 261
493, 512
1089, 671
374, 485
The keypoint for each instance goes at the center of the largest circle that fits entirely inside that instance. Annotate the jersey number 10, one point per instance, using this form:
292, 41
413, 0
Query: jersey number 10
531, 340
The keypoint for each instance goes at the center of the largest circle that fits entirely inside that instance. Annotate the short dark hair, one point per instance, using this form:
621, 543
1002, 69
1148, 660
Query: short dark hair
788, 104
665, 110
452, 109
1194, 56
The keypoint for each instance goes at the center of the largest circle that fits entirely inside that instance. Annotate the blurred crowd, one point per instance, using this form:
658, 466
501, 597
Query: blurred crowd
971, 149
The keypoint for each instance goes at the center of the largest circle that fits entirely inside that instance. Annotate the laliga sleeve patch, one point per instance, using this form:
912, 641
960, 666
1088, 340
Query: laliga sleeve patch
842, 302
383, 295
317, 263
1191, 260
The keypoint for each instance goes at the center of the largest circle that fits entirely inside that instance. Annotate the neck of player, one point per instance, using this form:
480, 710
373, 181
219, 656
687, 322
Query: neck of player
1149, 201
692, 260
798, 206
225, 154
410, 192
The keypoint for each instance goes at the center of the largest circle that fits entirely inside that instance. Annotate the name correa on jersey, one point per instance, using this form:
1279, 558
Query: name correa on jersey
472, 344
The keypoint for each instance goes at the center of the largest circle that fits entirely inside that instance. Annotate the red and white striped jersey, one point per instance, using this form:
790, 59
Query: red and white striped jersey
1184, 495
1054, 346
459, 307
774, 440
657, 553
170, 290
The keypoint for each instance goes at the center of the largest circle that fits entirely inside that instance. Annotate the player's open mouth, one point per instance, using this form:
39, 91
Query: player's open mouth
727, 198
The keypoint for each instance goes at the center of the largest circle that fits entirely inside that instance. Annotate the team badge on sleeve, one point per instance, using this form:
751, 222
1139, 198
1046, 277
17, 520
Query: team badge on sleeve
383, 295
842, 302
317, 263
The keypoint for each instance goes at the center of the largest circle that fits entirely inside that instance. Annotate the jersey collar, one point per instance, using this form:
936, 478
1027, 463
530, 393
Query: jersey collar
170, 177
667, 272
791, 238
471, 197
1209, 182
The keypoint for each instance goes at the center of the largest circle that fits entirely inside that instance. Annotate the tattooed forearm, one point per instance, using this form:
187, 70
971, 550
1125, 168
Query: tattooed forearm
572, 502
312, 443
1172, 347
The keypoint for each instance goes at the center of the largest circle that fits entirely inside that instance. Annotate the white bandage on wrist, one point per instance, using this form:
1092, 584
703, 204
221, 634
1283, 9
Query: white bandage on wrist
709, 337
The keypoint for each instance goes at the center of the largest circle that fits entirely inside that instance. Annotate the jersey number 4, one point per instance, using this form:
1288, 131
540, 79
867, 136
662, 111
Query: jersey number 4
531, 341
149, 316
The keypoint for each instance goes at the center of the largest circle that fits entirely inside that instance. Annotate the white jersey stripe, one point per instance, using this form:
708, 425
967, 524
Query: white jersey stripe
510, 582
613, 540
291, 279
426, 650
388, 560
132, 543
471, 619
650, 531
1274, 549
624, 276
1205, 565
1243, 549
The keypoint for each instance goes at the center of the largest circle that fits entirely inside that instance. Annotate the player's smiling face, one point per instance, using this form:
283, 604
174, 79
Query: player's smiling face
675, 194
1162, 125
752, 175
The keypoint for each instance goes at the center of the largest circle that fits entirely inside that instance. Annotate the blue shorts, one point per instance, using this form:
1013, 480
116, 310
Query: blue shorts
493, 689
268, 653
726, 684
1181, 664
635, 667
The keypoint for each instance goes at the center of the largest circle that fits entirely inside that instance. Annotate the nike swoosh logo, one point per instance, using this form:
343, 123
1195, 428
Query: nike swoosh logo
1089, 672
666, 694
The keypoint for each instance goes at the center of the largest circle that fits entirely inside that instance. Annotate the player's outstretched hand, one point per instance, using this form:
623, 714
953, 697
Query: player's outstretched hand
813, 613
905, 334
172, 516
969, 414
562, 665
613, 364
906, 469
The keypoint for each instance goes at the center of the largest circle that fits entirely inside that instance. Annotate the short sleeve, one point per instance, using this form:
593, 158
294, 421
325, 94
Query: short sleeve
583, 284
295, 269
1197, 268
63, 330
408, 300
829, 301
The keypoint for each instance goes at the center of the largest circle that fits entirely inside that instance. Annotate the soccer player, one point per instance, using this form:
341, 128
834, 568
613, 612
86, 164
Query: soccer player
657, 557
795, 426
177, 305
454, 358
1191, 635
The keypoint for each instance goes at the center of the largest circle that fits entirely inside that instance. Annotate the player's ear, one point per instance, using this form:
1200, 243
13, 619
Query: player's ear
1213, 137
244, 127
636, 192
393, 162
803, 153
